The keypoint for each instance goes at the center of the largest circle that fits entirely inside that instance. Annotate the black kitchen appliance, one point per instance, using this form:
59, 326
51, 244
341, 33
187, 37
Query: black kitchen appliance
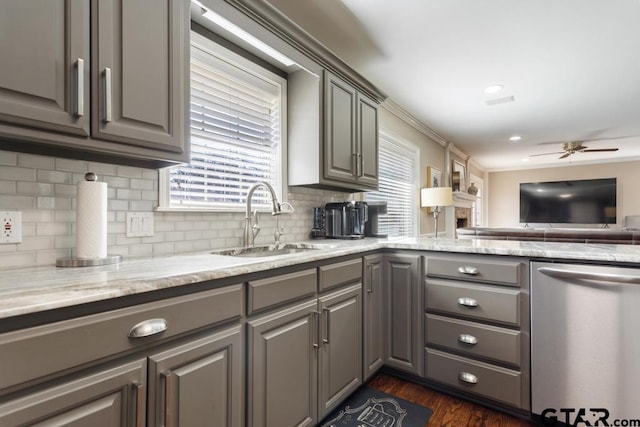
318, 231
375, 210
345, 220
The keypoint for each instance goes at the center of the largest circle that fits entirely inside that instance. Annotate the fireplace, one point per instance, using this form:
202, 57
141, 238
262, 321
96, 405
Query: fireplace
463, 217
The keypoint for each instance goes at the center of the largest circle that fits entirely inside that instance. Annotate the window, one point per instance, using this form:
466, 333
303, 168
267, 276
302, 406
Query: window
398, 165
238, 128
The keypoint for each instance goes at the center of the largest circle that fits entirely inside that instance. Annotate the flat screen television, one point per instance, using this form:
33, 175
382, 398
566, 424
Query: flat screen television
586, 201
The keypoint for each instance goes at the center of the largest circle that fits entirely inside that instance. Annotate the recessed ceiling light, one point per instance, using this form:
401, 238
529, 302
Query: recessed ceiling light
493, 89
515, 138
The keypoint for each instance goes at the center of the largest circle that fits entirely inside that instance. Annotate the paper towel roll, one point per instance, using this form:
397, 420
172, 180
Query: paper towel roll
91, 218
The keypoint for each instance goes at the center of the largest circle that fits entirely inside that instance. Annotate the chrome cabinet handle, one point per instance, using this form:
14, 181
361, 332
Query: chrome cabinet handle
467, 302
587, 275
79, 87
107, 95
140, 398
148, 328
360, 165
467, 269
327, 325
314, 330
370, 289
354, 163
468, 339
468, 378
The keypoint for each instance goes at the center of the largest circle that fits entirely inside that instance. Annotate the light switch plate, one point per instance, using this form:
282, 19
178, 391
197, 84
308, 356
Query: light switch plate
140, 224
11, 227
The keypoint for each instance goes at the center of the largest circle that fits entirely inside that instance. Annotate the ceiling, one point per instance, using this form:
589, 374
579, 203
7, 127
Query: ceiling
571, 66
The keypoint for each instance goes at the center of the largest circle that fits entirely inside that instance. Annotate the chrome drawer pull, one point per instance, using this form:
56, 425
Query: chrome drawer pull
467, 378
148, 328
467, 339
467, 269
467, 302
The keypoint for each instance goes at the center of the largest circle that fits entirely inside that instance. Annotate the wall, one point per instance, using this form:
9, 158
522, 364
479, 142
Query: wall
44, 190
504, 188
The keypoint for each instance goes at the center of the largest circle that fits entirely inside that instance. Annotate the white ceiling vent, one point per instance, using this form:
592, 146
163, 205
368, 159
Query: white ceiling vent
500, 100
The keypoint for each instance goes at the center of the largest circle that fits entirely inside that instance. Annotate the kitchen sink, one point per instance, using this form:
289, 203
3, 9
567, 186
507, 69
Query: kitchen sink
267, 251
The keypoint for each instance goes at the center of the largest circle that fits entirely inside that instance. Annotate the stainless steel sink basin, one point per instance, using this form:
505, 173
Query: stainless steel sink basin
266, 251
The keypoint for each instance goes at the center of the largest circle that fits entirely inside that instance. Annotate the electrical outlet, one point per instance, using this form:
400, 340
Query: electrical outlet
10, 227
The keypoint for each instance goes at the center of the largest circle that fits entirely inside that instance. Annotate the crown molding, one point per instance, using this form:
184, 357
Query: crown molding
269, 17
405, 116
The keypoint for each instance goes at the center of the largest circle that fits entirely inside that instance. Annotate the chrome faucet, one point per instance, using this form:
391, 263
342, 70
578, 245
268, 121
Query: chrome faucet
251, 228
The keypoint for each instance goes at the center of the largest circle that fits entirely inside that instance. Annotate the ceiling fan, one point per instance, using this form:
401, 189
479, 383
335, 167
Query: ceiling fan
575, 147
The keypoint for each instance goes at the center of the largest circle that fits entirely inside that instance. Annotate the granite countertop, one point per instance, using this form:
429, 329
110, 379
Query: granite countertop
35, 289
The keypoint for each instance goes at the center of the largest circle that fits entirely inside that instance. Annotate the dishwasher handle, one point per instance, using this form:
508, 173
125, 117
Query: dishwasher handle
587, 275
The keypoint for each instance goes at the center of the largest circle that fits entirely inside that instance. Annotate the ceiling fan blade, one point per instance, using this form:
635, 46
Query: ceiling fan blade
546, 154
609, 138
565, 155
594, 150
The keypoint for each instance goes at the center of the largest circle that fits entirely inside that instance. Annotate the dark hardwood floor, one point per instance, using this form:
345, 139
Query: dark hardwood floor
447, 410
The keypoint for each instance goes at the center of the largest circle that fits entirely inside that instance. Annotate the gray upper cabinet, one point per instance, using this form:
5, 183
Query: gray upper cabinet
351, 135
44, 76
372, 317
106, 77
333, 133
404, 339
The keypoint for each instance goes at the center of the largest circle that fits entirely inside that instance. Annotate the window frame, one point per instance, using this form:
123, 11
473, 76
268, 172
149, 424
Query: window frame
387, 138
236, 60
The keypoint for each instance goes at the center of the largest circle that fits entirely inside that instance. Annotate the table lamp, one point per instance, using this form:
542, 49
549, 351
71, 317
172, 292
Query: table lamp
436, 198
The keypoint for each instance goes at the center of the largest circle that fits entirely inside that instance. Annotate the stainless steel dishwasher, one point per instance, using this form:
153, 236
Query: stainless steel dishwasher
585, 342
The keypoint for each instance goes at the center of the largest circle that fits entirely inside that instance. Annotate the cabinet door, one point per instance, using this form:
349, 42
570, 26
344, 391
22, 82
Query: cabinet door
340, 151
44, 46
373, 315
140, 72
199, 383
404, 340
109, 398
341, 346
367, 137
283, 368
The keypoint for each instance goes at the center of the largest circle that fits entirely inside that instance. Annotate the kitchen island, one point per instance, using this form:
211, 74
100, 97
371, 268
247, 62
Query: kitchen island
226, 335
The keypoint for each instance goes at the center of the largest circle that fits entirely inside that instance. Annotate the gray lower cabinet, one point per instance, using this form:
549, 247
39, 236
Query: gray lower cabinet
304, 358
199, 383
108, 77
341, 346
477, 326
403, 313
110, 397
373, 315
283, 367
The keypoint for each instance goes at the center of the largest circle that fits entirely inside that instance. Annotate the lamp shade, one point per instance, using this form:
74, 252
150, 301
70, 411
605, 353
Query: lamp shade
437, 196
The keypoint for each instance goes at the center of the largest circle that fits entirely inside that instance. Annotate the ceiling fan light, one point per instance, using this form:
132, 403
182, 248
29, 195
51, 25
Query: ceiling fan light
493, 88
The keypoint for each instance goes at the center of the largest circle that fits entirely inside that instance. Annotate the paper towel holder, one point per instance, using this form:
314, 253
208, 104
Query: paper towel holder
89, 262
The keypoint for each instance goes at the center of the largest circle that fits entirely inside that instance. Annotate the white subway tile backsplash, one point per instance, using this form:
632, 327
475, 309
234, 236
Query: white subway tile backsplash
44, 189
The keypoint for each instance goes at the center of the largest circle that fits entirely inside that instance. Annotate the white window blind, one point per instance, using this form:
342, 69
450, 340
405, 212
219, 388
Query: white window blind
397, 186
236, 131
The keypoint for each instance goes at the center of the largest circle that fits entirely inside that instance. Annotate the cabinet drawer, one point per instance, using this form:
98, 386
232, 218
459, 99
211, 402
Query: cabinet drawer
474, 301
476, 269
474, 338
265, 293
338, 274
43, 350
493, 382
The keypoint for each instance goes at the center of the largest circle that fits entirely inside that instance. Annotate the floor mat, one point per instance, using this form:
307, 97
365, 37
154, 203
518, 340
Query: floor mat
368, 407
